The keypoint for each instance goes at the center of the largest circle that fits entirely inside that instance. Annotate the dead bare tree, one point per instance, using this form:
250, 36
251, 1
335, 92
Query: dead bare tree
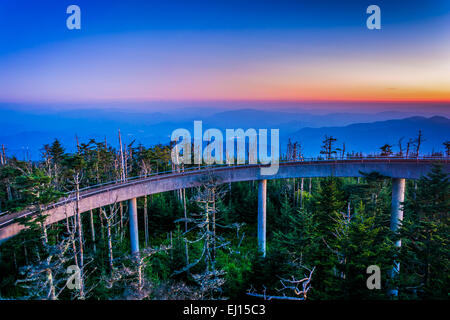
400, 152
77, 177
72, 228
408, 146
109, 219
341, 151
300, 287
44, 279
209, 283
327, 148
447, 148
146, 170
301, 192
3, 153
205, 222
122, 161
91, 220
144, 255
129, 275
418, 142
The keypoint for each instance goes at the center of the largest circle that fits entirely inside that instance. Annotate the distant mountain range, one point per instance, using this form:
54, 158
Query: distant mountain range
27, 131
369, 137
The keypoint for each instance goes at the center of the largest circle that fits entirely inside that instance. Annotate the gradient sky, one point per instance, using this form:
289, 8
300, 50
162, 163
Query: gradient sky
224, 50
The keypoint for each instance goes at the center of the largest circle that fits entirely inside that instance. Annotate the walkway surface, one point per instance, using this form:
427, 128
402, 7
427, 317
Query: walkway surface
114, 192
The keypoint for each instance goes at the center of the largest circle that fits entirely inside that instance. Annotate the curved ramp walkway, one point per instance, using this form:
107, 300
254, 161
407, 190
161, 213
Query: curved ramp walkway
95, 197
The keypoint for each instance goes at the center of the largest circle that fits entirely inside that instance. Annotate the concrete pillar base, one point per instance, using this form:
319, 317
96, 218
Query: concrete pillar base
134, 236
398, 196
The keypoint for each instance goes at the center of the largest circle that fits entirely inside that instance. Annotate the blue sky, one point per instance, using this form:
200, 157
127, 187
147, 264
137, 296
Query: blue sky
230, 50
32, 23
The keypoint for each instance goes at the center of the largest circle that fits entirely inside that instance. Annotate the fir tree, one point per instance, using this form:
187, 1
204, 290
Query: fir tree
424, 258
324, 253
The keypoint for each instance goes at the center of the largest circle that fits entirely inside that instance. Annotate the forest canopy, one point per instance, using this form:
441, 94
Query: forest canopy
201, 243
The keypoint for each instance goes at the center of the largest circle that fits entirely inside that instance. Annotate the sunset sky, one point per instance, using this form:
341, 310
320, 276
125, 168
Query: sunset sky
224, 50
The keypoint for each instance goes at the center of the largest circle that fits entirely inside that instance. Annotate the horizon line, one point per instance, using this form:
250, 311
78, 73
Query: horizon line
84, 101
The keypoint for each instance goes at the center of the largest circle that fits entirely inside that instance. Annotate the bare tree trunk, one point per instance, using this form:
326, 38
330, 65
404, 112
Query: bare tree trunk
125, 168
15, 258
110, 249
400, 147
415, 189
419, 142
294, 195
102, 227
109, 219
301, 193
80, 234
97, 174
74, 246
408, 146
4, 155
171, 244
207, 223
121, 231
214, 230
93, 230
310, 185
25, 251
140, 264
51, 294
146, 222
185, 227
8, 191
78, 144
130, 151
122, 164
44, 234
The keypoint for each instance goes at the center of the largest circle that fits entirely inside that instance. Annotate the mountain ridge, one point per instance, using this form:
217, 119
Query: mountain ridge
24, 130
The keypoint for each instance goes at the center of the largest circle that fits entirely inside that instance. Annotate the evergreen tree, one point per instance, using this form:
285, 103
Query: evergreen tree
295, 230
56, 152
327, 148
424, 259
363, 242
386, 150
324, 254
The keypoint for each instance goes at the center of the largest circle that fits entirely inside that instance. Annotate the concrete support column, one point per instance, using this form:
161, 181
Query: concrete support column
398, 196
134, 237
262, 199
